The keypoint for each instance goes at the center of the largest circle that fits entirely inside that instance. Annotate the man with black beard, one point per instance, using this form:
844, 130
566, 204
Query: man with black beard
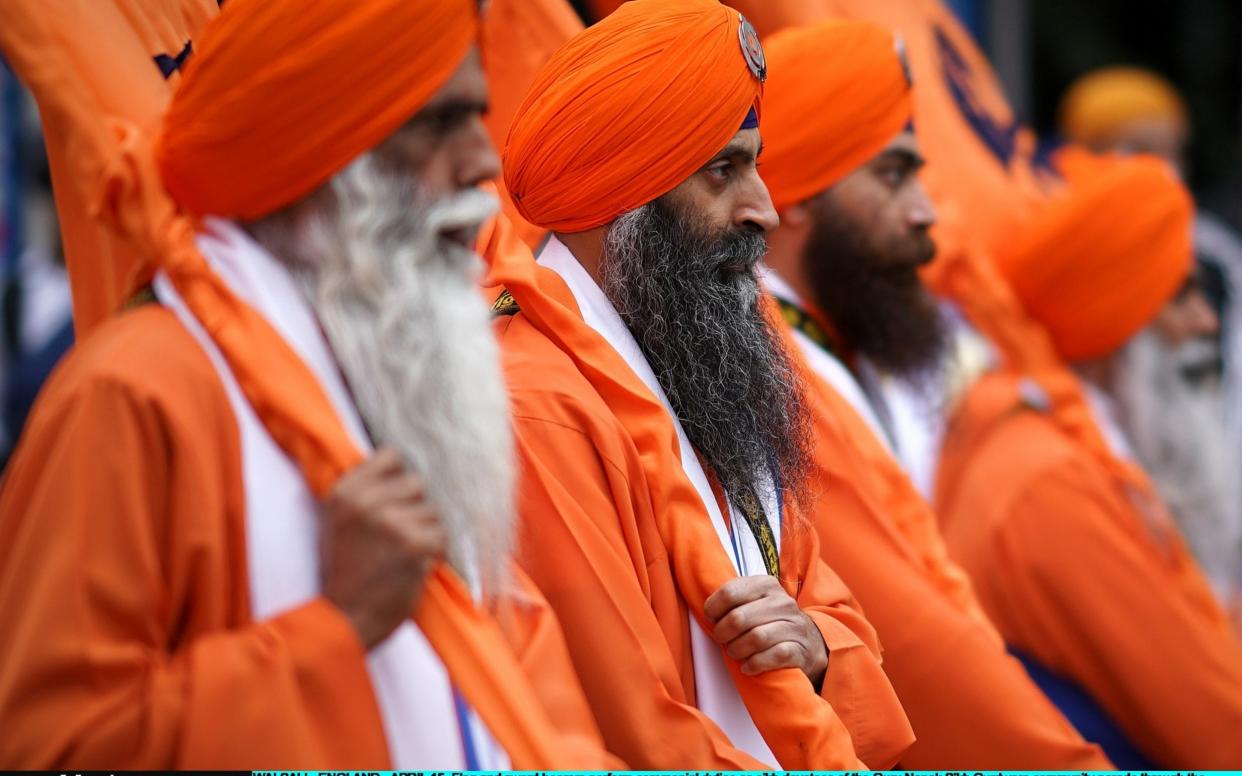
659, 424
842, 164
845, 275
204, 561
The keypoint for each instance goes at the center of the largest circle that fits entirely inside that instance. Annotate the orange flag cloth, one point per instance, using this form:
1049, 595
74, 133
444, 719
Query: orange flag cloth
113, 64
564, 164
252, 167
1098, 262
839, 92
519, 36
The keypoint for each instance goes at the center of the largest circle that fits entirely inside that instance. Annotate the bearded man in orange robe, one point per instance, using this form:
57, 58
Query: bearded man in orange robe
189, 580
1071, 549
659, 422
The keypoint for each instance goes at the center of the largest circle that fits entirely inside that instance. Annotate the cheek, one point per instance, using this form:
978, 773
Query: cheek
1170, 324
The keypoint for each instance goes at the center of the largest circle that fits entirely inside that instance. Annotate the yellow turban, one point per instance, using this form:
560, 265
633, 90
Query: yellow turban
1105, 101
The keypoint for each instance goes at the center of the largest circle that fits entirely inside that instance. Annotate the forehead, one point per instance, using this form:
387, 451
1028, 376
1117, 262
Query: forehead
468, 83
745, 141
905, 141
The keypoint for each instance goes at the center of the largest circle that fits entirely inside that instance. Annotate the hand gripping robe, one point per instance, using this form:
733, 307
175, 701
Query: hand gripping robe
971, 704
621, 530
157, 525
1069, 546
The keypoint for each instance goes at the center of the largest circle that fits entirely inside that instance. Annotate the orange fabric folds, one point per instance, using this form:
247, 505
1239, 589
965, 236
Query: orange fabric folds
838, 94
1101, 260
276, 102
107, 67
626, 111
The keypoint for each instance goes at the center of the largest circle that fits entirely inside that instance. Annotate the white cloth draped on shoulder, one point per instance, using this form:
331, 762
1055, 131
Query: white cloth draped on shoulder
426, 724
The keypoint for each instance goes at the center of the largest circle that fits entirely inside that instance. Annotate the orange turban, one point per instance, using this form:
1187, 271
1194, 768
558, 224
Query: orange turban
627, 110
1100, 261
1103, 102
839, 93
275, 102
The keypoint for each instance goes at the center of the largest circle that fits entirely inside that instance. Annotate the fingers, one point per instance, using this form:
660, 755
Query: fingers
762, 610
786, 654
759, 638
384, 460
380, 481
398, 487
737, 592
418, 528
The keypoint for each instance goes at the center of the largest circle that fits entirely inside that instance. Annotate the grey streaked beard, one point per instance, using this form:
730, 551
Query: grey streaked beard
412, 336
721, 364
1179, 434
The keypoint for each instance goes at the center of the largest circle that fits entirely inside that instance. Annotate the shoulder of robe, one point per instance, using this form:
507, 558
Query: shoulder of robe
147, 353
545, 385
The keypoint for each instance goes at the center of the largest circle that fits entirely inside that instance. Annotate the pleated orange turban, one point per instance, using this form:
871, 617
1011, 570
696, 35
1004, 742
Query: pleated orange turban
274, 103
1100, 261
839, 93
627, 110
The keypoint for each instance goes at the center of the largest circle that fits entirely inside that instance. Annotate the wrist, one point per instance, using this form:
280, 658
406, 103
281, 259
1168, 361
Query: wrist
817, 666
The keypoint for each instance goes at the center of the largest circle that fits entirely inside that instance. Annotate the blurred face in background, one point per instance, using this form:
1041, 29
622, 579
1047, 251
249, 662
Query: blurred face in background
869, 238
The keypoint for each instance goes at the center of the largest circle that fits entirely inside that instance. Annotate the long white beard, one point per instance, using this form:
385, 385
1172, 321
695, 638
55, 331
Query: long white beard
1179, 434
412, 335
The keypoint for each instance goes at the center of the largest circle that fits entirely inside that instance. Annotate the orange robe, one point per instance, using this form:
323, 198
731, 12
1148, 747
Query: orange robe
124, 589
970, 703
592, 545
1078, 577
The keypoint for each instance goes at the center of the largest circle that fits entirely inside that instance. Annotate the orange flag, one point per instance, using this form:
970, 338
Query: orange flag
113, 64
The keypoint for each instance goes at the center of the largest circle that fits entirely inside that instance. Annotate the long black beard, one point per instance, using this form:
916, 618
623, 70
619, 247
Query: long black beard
874, 296
692, 303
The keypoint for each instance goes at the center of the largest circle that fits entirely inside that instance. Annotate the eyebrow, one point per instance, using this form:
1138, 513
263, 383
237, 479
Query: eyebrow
907, 157
450, 107
738, 150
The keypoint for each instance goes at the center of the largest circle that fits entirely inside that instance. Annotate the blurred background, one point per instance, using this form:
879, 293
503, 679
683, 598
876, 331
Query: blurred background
1038, 47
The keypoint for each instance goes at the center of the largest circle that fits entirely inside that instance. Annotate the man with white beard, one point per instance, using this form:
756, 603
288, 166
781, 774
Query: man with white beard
200, 564
1174, 429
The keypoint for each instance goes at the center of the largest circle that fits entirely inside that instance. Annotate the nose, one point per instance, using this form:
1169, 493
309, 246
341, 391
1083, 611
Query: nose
477, 160
920, 211
754, 206
1201, 319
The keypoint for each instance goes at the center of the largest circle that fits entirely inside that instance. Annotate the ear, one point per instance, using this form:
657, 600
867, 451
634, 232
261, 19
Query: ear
796, 216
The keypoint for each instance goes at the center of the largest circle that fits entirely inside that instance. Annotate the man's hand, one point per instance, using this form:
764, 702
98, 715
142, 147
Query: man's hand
762, 628
378, 539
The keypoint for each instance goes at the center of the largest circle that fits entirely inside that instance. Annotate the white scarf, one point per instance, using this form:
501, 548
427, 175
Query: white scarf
718, 697
422, 721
